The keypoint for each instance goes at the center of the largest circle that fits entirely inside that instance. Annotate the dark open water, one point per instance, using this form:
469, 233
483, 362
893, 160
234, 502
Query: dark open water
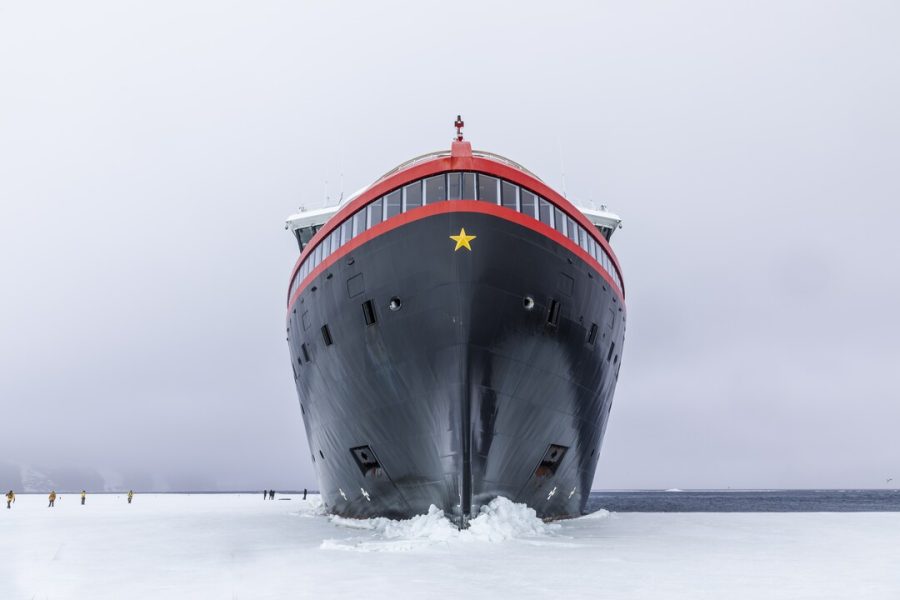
748, 501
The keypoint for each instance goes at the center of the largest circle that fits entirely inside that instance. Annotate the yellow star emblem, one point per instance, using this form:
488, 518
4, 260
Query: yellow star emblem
462, 240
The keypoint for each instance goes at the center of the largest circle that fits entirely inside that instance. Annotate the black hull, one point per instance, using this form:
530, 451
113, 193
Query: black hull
462, 394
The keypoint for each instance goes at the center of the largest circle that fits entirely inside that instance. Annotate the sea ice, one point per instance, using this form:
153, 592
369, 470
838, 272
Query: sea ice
498, 521
240, 546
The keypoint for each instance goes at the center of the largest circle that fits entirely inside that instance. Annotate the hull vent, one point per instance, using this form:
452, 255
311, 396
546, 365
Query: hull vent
366, 461
553, 314
551, 461
368, 308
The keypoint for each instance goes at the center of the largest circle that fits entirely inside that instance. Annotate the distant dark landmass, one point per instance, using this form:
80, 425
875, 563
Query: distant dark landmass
747, 501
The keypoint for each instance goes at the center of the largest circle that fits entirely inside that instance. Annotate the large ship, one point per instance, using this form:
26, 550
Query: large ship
455, 332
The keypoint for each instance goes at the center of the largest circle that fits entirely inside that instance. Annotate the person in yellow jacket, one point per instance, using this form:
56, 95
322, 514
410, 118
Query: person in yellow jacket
10, 498
83, 494
52, 499
130, 496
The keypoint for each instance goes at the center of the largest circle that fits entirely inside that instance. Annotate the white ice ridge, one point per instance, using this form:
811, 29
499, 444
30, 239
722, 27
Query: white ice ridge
498, 521
600, 514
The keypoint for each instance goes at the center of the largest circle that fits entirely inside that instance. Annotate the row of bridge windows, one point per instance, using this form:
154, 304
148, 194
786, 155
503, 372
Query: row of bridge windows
454, 186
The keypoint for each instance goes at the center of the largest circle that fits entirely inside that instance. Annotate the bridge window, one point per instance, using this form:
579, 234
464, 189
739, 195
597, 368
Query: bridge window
393, 203
468, 186
375, 215
454, 186
528, 203
546, 212
435, 189
487, 188
359, 222
346, 231
335, 238
412, 195
509, 195
563, 226
559, 220
305, 234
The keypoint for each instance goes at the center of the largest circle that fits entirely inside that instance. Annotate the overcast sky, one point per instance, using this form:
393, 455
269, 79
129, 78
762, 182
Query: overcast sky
149, 152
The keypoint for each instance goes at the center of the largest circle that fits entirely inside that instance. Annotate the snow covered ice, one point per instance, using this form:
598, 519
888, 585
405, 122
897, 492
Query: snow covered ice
239, 546
500, 520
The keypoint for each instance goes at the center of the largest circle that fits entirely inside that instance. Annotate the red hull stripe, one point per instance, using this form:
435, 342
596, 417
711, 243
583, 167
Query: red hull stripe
440, 165
453, 206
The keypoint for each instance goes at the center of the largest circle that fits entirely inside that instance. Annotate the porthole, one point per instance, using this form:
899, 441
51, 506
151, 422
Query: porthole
528, 302
395, 304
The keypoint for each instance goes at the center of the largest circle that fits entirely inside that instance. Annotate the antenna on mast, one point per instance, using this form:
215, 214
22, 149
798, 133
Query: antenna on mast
562, 166
459, 125
341, 199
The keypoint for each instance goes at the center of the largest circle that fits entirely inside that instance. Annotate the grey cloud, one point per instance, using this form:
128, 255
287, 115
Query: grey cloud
149, 153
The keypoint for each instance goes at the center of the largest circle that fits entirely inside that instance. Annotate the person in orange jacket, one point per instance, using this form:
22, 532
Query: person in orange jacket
10, 498
52, 499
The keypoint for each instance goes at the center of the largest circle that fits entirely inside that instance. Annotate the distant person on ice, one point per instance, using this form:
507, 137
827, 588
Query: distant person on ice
10, 498
304, 493
83, 494
265, 494
271, 494
130, 496
52, 499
